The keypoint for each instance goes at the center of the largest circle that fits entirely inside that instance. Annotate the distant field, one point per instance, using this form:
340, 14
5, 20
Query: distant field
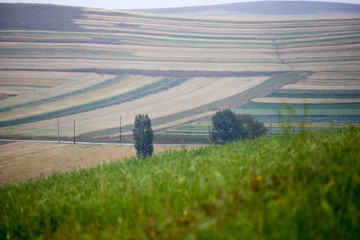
97, 65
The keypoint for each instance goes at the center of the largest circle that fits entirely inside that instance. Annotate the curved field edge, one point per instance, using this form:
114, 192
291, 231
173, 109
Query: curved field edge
160, 105
147, 90
272, 84
95, 87
302, 186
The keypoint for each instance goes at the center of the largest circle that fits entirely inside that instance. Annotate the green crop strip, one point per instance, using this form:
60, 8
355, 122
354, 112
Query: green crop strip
123, 98
322, 59
315, 40
70, 94
308, 94
332, 114
291, 92
301, 106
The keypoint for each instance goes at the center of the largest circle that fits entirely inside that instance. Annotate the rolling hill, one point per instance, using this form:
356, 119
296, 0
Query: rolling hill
95, 65
277, 9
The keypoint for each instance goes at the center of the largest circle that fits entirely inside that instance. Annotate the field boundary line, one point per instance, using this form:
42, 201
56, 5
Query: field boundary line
98, 143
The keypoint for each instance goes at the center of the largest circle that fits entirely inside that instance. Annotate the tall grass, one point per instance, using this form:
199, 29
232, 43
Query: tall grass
303, 186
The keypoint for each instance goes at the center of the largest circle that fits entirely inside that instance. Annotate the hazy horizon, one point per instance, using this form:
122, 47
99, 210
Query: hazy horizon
142, 4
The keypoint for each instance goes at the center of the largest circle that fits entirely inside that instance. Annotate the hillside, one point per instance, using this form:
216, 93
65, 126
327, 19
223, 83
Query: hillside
274, 9
93, 66
303, 186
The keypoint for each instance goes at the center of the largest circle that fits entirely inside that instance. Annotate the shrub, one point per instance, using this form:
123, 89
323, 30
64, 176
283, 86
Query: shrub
227, 127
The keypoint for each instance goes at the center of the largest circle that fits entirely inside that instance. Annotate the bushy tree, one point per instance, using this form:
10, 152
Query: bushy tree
144, 136
227, 127
252, 128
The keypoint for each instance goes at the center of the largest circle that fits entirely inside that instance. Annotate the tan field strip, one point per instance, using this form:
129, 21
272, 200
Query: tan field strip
72, 82
46, 79
130, 84
327, 54
179, 53
325, 76
353, 65
18, 90
22, 161
192, 94
328, 81
46, 83
143, 65
306, 100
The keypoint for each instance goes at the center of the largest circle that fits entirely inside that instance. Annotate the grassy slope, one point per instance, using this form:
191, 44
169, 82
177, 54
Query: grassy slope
304, 186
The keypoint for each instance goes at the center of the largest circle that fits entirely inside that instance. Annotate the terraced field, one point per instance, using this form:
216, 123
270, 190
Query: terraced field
96, 65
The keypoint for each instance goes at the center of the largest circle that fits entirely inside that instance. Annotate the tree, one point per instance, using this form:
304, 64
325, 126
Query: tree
227, 126
252, 128
144, 136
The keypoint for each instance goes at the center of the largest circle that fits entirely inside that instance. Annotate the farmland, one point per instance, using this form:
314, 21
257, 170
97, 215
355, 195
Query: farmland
96, 65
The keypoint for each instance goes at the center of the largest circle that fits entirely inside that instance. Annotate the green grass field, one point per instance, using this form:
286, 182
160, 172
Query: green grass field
303, 186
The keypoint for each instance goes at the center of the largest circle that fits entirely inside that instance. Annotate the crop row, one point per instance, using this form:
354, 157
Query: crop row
69, 94
293, 93
273, 83
301, 107
122, 98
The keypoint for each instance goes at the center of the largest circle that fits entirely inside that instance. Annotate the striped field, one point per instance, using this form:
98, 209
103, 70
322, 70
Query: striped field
106, 64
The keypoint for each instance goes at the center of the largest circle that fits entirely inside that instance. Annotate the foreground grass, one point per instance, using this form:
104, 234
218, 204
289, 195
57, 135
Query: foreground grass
304, 186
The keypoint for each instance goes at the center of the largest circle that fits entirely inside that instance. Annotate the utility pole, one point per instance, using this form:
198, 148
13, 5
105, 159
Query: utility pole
209, 133
270, 128
58, 131
120, 129
74, 132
